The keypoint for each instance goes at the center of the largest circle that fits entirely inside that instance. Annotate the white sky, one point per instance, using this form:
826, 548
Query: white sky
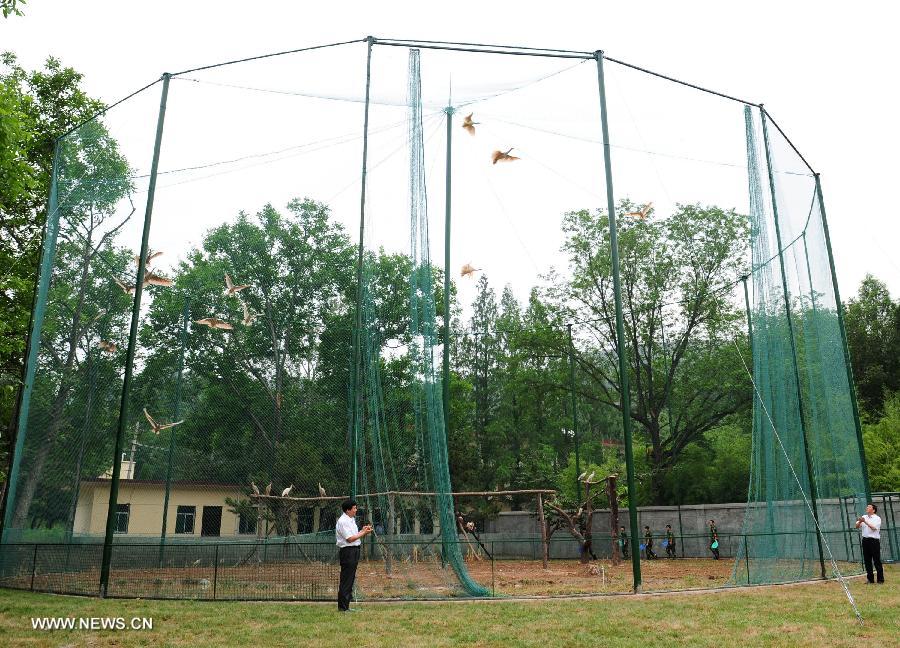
826, 73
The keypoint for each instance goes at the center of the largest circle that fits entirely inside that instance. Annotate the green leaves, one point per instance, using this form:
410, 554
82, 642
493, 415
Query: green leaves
676, 276
873, 335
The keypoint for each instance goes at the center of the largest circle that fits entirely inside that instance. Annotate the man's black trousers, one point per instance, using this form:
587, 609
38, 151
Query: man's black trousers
871, 548
349, 558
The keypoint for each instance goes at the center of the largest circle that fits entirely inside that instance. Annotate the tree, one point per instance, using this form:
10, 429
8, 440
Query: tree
11, 7
36, 107
580, 522
882, 442
265, 401
84, 301
873, 335
18, 181
679, 321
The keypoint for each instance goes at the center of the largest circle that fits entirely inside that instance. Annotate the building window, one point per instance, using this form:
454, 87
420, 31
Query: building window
212, 521
247, 523
184, 520
123, 511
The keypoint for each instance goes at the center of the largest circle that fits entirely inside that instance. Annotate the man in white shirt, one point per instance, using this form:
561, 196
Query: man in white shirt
869, 526
349, 538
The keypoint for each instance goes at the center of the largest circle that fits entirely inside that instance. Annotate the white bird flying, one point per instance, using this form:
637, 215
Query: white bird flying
150, 256
468, 270
287, 491
469, 125
642, 212
153, 279
230, 288
215, 323
501, 156
127, 289
159, 427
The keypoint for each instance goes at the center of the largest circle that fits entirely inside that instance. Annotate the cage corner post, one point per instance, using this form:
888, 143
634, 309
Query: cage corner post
132, 344
449, 110
620, 331
839, 306
356, 376
790, 328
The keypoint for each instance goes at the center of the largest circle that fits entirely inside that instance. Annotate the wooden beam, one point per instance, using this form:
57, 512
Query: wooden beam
333, 498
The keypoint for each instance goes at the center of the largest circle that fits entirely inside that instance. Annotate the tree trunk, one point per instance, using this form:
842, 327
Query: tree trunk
26, 495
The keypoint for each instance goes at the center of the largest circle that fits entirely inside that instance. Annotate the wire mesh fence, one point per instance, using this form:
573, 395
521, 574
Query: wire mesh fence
250, 311
397, 569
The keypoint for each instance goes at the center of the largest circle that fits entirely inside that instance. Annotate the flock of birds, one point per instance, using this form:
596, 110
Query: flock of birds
285, 493
468, 270
152, 278
231, 290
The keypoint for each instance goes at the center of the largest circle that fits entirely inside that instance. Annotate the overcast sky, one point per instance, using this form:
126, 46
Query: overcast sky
826, 72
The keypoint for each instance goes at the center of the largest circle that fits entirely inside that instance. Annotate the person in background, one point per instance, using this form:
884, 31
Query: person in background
623, 542
714, 539
348, 538
670, 542
648, 543
869, 526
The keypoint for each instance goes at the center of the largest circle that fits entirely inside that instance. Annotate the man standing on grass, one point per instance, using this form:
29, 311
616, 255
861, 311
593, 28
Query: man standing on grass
623, 542
349, 538
869, 526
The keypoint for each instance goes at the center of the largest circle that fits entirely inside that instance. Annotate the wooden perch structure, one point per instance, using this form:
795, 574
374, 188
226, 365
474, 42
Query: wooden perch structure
579, 524
333, 498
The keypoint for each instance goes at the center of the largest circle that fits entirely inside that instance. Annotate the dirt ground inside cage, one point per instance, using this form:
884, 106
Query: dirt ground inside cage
407, 580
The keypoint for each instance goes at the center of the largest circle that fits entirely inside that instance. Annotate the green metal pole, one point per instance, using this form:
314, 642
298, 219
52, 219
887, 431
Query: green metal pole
787, 310
449, 112
132, 346
620, 333
840, 314
574, 408
749, 318
357, 334
182, 339
845, 523
48, 255
680, 531
747, 558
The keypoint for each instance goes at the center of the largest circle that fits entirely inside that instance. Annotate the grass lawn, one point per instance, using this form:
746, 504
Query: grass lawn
805, 615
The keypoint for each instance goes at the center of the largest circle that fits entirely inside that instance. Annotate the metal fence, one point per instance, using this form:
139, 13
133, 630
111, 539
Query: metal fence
398, 569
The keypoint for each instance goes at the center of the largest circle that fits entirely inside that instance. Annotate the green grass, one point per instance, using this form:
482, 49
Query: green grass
806, 615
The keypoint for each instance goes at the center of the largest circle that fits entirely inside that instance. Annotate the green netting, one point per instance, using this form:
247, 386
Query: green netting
806, 462
277, 352
399, 411
74, 381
